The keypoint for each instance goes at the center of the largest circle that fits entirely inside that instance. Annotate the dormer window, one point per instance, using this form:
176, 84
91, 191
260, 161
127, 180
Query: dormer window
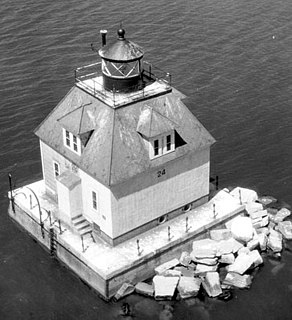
161, 145
72, 142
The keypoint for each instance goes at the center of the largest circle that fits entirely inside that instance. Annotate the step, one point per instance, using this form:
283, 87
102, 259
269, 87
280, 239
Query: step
80, 223
83, 226
88, 230
79, 220
77, 217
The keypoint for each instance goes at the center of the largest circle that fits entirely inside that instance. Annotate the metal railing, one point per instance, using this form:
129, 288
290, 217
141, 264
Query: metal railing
92, 72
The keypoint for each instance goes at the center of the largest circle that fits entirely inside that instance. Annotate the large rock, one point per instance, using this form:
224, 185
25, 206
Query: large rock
164, 287
266, 200
185, 259
202, 269
258, 214
275, 241
166, 266
254, 242
211, 284
236, 280
205, 248
282, 214
185, 272
242, 229
285, 227
171, 273
245, 195
253, 207
263, 240
244, 261
220, 234
188, 287
227, 258
144, 289
207, 261
228, 246
124, 291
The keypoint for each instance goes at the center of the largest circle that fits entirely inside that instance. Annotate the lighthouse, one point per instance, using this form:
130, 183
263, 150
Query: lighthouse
121, 152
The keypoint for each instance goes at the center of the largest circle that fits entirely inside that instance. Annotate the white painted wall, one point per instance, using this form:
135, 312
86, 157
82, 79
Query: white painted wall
184, 181
102, 216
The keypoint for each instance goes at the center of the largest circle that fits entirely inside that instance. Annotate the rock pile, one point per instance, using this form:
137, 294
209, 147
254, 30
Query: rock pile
227, 258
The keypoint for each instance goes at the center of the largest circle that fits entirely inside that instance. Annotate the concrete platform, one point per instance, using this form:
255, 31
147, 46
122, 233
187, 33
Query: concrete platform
106, 268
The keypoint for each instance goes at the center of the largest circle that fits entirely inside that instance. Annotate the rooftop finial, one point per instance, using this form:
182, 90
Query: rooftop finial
121, 32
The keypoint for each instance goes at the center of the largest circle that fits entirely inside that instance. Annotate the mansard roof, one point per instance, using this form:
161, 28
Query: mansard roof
116, 149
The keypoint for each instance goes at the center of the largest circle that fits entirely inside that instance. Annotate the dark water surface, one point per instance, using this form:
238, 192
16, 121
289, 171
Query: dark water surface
231, 57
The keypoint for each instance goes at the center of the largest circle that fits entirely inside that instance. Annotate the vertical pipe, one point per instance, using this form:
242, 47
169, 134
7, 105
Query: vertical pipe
11, 195
240, 200
138, 247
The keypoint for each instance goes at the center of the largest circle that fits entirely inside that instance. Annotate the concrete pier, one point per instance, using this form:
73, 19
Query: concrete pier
106, 268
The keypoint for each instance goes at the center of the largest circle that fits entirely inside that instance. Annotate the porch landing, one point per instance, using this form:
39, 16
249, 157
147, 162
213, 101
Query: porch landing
106, 268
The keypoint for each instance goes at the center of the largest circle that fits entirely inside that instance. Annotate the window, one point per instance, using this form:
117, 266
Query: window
162, 145
67, 138
168, 142
72, 142
94, 200
156, 147
56, 169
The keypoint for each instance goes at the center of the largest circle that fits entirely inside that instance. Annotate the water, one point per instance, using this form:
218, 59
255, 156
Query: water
231, 57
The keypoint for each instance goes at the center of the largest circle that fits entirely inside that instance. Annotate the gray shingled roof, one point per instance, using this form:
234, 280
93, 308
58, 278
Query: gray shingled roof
115, 150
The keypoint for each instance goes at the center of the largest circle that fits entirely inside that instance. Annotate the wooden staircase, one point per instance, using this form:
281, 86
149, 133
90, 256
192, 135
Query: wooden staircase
82, 226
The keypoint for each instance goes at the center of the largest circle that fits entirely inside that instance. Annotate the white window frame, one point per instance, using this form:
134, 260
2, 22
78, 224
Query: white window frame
56, 172
164, 145
72, 142
94, 200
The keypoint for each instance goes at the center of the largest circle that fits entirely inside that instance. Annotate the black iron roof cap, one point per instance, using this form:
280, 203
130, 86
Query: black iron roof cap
122, 50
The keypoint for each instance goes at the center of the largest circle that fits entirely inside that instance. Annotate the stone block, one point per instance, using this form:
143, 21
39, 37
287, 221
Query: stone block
282, 214
253, 207
205, 248
166, 266
171, 273
189, 287
144, 289
202, 269
258, 214
227, 258
220, 234
266, 200
275, 241
207, 261
256, 258
243, 194
185, 259
285, 227
243, 250
244, 261
263, 240
164, 287
264, 230
124, 291
228, 246
185, 272
242, 229
236, 280
211, 284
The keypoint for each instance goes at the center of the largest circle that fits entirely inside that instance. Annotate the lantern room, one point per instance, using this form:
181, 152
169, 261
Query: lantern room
121, 64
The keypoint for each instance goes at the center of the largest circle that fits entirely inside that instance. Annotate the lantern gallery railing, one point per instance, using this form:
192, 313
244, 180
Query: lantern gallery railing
153, 80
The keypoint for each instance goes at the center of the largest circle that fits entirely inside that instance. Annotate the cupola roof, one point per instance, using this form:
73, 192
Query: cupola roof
122, 50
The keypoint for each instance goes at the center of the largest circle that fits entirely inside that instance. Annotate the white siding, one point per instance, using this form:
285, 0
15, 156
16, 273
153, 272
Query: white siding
183, 181
102, 216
